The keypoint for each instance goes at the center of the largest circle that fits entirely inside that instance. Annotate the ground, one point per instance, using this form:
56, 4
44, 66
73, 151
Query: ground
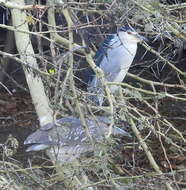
18, 119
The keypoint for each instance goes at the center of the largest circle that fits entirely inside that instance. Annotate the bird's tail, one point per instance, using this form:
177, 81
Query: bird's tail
96, 96
119, 131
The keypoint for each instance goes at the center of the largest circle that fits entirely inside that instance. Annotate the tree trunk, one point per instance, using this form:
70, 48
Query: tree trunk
38, 95
26, 52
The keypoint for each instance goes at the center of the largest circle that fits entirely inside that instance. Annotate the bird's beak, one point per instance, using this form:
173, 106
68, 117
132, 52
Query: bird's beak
37, 147
141, 38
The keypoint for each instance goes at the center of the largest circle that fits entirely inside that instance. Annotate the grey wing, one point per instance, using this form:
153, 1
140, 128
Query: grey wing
101, 58
101, 54
78, 135
110, 59
69, 121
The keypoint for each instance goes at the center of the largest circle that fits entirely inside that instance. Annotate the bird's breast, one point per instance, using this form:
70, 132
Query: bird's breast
120, 57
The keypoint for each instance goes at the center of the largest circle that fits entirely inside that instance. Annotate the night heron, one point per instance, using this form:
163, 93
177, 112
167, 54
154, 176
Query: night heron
67, 140
114, 57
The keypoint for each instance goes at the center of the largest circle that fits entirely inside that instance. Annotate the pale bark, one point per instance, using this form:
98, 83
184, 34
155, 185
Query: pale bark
26, 52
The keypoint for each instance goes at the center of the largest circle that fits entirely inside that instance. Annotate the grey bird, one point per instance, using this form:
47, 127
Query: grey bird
114, 57
67, 140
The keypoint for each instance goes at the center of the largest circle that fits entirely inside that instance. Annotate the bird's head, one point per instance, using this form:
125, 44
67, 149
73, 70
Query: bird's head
128, 34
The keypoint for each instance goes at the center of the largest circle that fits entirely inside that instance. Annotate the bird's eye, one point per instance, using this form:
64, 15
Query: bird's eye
128, 32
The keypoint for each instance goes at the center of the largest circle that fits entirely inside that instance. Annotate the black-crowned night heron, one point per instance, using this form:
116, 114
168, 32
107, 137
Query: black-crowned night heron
114, 57
67, 140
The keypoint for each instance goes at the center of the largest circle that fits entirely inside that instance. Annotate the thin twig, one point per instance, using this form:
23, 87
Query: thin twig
147, 152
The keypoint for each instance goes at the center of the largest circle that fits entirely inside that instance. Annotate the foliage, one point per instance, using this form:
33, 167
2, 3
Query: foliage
152, 97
